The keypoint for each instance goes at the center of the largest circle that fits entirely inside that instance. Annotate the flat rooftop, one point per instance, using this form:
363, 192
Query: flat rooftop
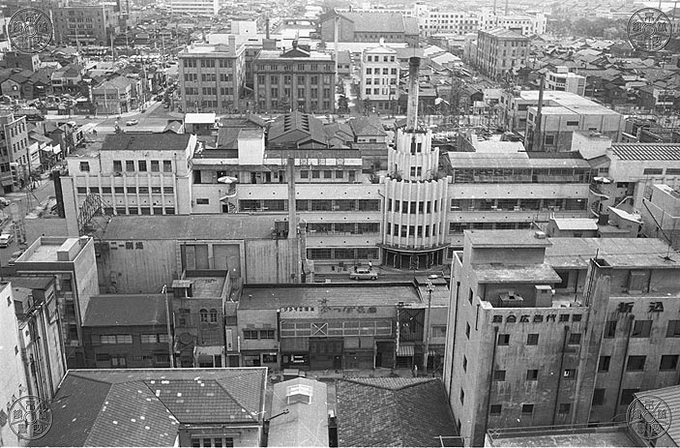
506, 238
207, 286
571, 101
504, 159
535, 273
618, 252
278, 296
613, 438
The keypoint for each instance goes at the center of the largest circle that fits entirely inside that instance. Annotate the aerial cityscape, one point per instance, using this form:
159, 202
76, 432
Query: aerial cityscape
339, 223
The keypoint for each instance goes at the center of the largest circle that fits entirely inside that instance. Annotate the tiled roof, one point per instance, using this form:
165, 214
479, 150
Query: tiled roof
671, 397
392, 412
647, 151
142, 142
125, 310
146, 407
378, 22
367, 126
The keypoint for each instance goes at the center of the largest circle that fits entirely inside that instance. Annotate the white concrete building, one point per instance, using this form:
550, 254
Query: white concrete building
380, 77
195, 7
563, 80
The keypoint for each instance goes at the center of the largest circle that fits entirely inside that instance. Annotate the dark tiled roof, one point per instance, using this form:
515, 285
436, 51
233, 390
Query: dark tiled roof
647, 151
141, 142
392, 412
125, 310
367, 126
143, 408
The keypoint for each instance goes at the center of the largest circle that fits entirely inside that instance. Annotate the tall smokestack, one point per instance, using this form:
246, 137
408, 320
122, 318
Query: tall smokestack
412, 111
538, 140
266, 24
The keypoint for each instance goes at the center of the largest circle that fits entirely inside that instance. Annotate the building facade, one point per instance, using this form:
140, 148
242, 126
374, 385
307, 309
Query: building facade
380, 78
212, 77
564, 80
600, 328
86, 25
501, 52
14, 152
195, 7
296, 79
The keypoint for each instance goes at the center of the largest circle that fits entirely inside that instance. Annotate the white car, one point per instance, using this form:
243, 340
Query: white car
363, 274
132, 123
5, 239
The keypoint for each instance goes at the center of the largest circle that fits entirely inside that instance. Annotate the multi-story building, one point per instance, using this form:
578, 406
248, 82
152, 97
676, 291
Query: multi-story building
501, 52
661, 213
127, 331
14, 151
86, 25
562, 114
199, 305
370, 27
448, 22
13, 379
212, 77
526, 24
380, 78
603, 328
40, 336
295, 79
130, 174
72, 262
565, 81
195, 7
113, 96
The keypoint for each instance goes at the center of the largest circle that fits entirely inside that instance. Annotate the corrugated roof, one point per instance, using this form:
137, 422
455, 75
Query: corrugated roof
392, 412
125, 310
145, 407
647, 151
671, 396
275, 297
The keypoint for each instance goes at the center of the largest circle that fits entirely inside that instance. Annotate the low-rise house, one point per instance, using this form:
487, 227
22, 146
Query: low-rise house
159, 407
121, 331
113, 96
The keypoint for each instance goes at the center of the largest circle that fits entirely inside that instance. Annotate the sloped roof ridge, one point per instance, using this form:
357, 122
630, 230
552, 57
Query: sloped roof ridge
368, 381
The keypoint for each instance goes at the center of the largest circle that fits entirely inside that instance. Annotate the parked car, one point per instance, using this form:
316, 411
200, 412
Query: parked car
14, 257
6, 239
363, 274
132, 123
4, 201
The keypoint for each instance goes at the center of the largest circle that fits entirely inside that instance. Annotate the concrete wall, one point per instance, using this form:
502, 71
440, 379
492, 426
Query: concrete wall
13, 377
268, 261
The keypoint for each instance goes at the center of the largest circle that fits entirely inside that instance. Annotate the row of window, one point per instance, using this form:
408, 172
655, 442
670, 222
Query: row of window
287, 67
518, 204
522, 175
412, 207
258, 334
344, 228
132, 210
642, 329
343, 253
120, 361
660, 171
385, 71
208, 63
377, 58
457, 228
637, 363
123, 190
127, 338
130, 166
412, 231
318, 174
288, 79
313, 92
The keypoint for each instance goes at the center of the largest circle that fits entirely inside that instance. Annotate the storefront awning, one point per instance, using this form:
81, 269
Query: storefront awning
405, 350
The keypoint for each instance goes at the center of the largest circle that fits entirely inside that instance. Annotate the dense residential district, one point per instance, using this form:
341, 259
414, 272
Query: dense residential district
338, 223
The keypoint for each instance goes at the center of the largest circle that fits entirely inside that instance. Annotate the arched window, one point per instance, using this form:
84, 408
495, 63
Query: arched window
204, 315
213, 315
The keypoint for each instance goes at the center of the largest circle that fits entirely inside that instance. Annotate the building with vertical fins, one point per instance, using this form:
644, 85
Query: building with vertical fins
416, 193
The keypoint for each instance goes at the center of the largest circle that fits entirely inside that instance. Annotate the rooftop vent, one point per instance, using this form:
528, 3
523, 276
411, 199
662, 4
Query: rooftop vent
299, 393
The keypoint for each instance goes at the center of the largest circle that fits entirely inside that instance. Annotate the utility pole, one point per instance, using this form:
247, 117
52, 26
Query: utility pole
169, 316
426, 354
